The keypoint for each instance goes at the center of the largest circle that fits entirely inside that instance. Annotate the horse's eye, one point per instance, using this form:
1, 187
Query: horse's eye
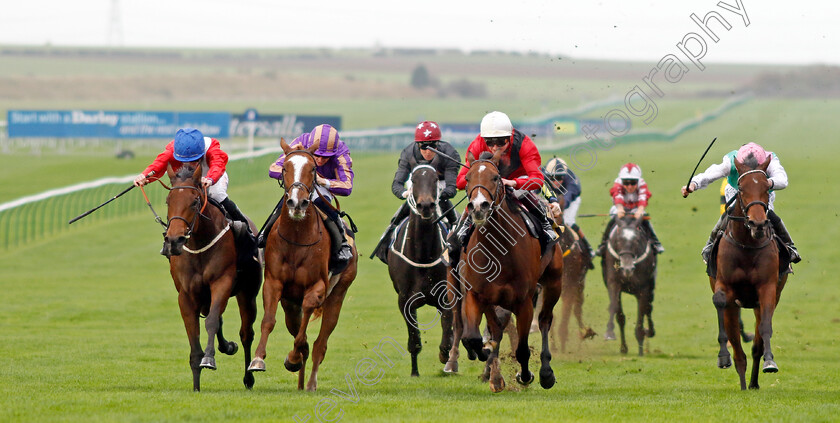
467, 178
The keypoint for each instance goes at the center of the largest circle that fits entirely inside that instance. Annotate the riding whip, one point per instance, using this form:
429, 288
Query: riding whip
698, 165
101, 205
446, 156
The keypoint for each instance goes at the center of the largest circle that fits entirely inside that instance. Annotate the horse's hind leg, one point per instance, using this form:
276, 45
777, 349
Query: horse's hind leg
492, 371
247, 315
332, 309
724, 359
213, 322
296, 360
551, 294
565, 314
189, 313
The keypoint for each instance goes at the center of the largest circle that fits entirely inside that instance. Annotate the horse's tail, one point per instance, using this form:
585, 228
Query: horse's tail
316, 314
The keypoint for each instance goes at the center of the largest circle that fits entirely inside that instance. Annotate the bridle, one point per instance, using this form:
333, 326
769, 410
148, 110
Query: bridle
190, 225
309, 189
745, 208
412, 202
625, 252
494, 194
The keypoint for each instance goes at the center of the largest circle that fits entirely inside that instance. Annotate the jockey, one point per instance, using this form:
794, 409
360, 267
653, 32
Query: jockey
426, 134
564, 184
190, 145
630, 195
519, 168
775, 172
334, 176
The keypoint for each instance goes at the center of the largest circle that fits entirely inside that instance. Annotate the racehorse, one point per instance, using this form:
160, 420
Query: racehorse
629, 266
747, 272
575, 265
203, 263
500, 267
297, 256
415, 264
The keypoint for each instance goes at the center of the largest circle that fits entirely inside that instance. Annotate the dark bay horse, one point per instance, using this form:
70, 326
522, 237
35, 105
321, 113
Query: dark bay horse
297, 254
748, 272
203, 263
575, 265
415, 264
500, 267
630, 267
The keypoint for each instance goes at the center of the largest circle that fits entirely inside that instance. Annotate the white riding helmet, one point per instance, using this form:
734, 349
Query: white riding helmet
496, 124
630, 171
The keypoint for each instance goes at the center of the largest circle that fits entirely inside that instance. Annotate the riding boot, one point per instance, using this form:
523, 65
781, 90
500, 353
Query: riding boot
458, 237
263, 235
340, 251
716, 231
653, 238
784, 235
533, 205
603, 246
234, 212
584, 244
381, 250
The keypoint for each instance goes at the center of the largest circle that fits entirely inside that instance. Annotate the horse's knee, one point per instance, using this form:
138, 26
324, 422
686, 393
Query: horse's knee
719, 299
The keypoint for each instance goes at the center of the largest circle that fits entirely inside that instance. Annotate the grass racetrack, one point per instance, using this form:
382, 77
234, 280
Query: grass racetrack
91, 329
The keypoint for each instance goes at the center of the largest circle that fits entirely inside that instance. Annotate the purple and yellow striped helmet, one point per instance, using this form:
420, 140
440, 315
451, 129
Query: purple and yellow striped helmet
327, 138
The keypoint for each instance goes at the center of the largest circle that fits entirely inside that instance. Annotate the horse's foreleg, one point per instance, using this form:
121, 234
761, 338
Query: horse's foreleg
225, 346
523, 353
719, 300
614, 292
446, 334
757, 351
565, 314
551, 295
471, 314
730, 317
767, 299
457, 328
213, 322
620, 318
409, 314
271, 296
247, 315
643, 310
329, 319
189, 313
497, 322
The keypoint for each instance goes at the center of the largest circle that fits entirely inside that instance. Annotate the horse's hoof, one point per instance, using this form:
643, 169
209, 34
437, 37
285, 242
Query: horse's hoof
257, 365
522, 381
650, 333
770, 367
248, 380
624, 349
747, 337
724, 361
451, 367
497, 387
292, 367
232, 348
470, 354
208, 363
609, 336
443, 356
415, 374
547, 379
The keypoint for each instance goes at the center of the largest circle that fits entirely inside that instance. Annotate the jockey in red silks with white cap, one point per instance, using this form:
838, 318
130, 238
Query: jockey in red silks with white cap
778, 179
630, 195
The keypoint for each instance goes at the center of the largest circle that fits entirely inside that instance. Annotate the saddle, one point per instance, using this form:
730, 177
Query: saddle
397, 246
531, 220
784, 257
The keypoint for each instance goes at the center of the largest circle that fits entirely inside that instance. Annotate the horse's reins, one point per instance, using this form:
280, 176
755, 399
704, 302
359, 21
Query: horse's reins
412, 204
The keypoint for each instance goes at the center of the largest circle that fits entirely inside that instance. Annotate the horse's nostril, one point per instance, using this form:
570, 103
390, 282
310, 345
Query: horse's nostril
470, 206
304, 203
485, 204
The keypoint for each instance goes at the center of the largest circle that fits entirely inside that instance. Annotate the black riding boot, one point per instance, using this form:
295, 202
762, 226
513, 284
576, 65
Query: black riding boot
584, 243
381, 250
607, 230
458, 238
783, 233
654, 239
263, 235
340, 251
716, 231
234, 212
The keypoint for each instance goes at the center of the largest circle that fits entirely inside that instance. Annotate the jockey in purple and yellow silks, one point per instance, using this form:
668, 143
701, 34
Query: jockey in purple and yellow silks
333, 175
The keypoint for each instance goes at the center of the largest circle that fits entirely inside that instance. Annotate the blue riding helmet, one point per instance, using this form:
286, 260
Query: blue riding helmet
189, 145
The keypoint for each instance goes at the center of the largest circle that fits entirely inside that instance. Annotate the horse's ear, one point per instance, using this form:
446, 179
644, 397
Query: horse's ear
763, 166
170, 172
740, 167
284, 146
497, 156
314, 147
197, 173
470, 157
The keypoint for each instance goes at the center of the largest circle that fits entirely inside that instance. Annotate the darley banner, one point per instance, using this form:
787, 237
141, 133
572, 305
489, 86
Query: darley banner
113, 124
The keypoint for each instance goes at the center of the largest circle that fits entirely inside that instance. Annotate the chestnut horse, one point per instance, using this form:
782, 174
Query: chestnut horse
415, 264
629, 266
748, 272
297, 254
203, 263
500, 267
575, 265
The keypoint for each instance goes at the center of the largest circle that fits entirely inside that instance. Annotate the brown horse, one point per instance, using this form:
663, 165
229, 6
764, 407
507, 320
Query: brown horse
297, 254
575, 265
207, 275
500, 267
748, 272
416, 267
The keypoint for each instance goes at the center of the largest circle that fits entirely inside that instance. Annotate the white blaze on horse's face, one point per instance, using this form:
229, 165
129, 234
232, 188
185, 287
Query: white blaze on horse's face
298, 162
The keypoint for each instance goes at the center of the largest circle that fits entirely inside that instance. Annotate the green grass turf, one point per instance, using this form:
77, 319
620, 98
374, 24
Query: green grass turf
92, 332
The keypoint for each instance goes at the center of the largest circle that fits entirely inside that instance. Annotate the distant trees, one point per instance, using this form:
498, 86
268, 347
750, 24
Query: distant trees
462, 87
420, 77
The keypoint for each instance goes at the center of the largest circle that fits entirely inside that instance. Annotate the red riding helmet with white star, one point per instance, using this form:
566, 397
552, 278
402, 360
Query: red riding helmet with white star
427, 131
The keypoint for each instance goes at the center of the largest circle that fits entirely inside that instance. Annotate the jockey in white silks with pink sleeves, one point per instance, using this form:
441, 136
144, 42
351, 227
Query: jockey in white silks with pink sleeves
775, 172
334, 176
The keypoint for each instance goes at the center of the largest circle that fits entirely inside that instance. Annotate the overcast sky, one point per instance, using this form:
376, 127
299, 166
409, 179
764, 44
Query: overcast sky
779, 31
